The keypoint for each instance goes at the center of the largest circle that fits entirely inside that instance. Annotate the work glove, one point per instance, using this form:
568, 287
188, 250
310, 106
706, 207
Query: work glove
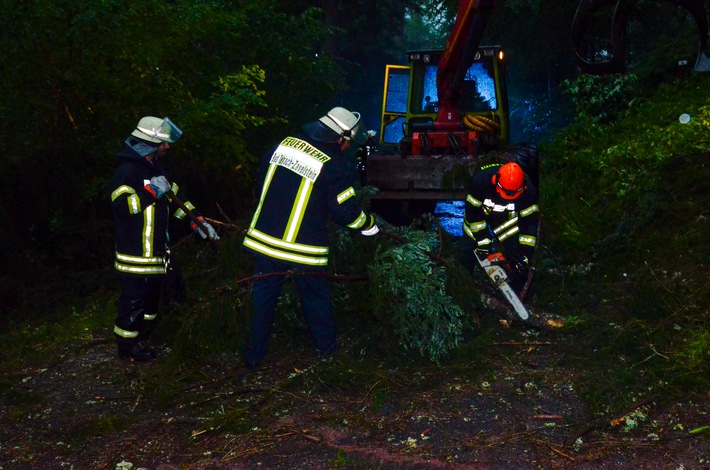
212, 232
373, 229
520, 264
158, 186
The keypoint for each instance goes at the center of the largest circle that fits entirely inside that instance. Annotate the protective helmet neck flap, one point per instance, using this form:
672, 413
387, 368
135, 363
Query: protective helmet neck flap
141, 147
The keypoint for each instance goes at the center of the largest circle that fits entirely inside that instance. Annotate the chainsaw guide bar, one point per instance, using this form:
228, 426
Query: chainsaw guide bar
499, 278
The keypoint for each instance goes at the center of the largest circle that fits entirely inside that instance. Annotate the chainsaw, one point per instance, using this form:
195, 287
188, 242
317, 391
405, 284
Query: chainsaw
492, 266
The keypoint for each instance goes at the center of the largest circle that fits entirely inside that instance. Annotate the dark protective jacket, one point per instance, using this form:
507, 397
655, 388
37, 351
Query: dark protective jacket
141, 221
304, 183
489, 217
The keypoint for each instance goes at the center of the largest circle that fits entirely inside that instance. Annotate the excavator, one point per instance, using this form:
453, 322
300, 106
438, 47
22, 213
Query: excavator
441, 115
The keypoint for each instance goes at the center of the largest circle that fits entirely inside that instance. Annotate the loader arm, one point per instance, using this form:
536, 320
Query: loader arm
458, 56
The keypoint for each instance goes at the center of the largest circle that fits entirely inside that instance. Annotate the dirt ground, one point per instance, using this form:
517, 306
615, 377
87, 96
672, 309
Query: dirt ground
89, 410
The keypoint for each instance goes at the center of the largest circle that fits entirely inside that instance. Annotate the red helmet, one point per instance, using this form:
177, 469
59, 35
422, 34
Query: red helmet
509, 181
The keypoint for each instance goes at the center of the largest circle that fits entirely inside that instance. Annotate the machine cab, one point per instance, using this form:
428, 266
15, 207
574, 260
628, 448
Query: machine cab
411, 99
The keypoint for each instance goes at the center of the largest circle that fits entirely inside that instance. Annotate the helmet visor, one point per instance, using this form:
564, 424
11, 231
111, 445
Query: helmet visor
167, 131
357, 132
510, 193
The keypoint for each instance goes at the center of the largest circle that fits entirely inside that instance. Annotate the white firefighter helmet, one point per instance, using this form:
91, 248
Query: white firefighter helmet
157, 130
345, 123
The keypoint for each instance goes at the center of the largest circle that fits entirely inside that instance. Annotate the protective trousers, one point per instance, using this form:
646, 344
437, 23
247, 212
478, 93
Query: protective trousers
314, 295
137, 307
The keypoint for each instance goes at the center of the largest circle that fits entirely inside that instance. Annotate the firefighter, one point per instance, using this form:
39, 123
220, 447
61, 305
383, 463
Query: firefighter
141, 213
304, 182
502, 216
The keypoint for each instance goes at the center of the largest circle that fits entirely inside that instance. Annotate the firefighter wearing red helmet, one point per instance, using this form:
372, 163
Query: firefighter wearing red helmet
502, 215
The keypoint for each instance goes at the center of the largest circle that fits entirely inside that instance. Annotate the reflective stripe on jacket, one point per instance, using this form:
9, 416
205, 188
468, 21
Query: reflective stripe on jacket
488, 216
141, 221
304, 183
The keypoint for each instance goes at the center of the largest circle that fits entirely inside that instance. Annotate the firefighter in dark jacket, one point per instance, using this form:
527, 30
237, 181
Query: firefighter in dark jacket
141, 213
304, 183
502, 216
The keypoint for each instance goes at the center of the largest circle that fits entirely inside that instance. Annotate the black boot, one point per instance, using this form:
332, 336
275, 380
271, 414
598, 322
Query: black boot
132, 349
